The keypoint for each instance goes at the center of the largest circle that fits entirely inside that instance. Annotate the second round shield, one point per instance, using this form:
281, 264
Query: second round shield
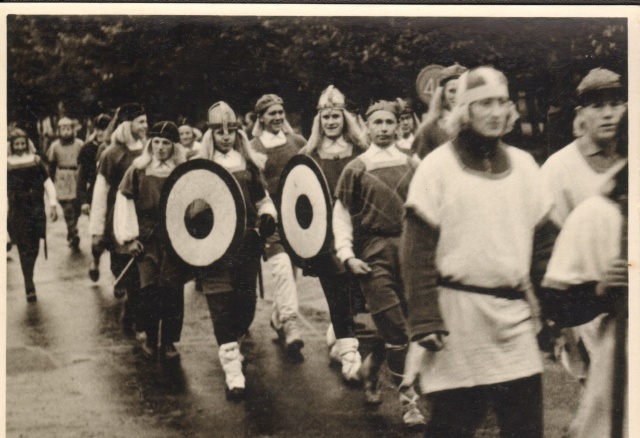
202, 213
305, 209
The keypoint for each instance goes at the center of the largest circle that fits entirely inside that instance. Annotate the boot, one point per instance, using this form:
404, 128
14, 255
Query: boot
30, 288
411, 415
229, 355
369, 376
94, 270
288, 332
350, 358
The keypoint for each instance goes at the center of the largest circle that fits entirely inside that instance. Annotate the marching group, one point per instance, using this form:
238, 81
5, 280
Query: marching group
465, 251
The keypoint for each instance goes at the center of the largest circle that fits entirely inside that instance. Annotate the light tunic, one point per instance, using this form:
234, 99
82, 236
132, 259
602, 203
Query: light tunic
587, 244
571, 180
486, 225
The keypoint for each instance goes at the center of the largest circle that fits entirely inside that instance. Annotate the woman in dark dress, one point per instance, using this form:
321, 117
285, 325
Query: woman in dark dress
27, 182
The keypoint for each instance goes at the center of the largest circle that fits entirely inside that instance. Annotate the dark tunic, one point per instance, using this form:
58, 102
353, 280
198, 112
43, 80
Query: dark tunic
239, 271
374, 194
156, 266
87, 171
332, 166
26, 218
277, 158
428, 137
113, 165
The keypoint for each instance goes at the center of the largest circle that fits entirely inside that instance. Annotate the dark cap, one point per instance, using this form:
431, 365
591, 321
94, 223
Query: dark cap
166, 130
129, 112
102, 121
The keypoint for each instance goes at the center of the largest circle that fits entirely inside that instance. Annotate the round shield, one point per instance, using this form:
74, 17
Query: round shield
427, 82
304, 210
202, 213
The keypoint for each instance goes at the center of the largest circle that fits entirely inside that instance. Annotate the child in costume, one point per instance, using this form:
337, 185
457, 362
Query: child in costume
274, 138
230, 286
135, 223
367, 223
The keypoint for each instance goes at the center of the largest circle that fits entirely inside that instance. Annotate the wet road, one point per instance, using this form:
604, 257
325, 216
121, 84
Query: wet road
72, 372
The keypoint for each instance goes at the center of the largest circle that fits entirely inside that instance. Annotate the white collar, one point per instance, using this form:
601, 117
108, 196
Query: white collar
391, 150
20, 159
405, 143
270, 140
231, 160
334, 146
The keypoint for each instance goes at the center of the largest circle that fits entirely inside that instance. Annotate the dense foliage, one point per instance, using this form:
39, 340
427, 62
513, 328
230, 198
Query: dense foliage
180, 65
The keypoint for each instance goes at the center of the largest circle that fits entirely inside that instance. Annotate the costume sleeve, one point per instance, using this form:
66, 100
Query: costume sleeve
552, 178
98, 215
426, 194
420, 276
127, 185
83, 179
259, 194
50, 192
580, 257
125, 219
53, 160
348, 190
342, 232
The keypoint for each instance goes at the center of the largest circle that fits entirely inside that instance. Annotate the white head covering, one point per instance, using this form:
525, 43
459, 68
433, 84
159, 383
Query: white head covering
477, 84
332, 99
221, 115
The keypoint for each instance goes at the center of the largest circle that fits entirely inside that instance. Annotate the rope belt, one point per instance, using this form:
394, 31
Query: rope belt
507, 293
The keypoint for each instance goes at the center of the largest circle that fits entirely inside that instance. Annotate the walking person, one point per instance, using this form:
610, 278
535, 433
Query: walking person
188, 140
407, 126
126, 144
87, 172
230, 287
367, 223
476, 236
135, 226
586, 277
578, 171
27, 182
432, 132
63, 168
335, 140
274, 137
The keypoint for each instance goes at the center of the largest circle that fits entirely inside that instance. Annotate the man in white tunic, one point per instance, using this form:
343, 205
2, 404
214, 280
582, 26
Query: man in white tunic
579, 170
475, 214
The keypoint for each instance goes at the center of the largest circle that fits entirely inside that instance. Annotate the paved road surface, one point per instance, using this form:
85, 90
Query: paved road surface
71, 372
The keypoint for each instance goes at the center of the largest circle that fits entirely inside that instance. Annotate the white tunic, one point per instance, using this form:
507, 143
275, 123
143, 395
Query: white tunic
486, 224
587, 244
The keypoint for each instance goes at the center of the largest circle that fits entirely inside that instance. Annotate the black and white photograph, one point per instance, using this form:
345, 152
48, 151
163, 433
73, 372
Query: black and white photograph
260, 220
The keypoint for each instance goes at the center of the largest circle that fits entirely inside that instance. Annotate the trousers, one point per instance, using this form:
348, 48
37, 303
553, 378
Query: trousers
517, 404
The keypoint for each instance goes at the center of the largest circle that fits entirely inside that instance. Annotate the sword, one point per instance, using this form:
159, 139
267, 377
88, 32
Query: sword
124, 271
263, 242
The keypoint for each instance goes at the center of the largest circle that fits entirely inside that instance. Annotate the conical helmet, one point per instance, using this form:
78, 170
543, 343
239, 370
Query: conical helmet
222, 116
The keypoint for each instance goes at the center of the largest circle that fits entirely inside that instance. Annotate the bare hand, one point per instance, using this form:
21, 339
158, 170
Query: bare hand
135, 248
616, 277
358, 267
53, 213
85, 209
